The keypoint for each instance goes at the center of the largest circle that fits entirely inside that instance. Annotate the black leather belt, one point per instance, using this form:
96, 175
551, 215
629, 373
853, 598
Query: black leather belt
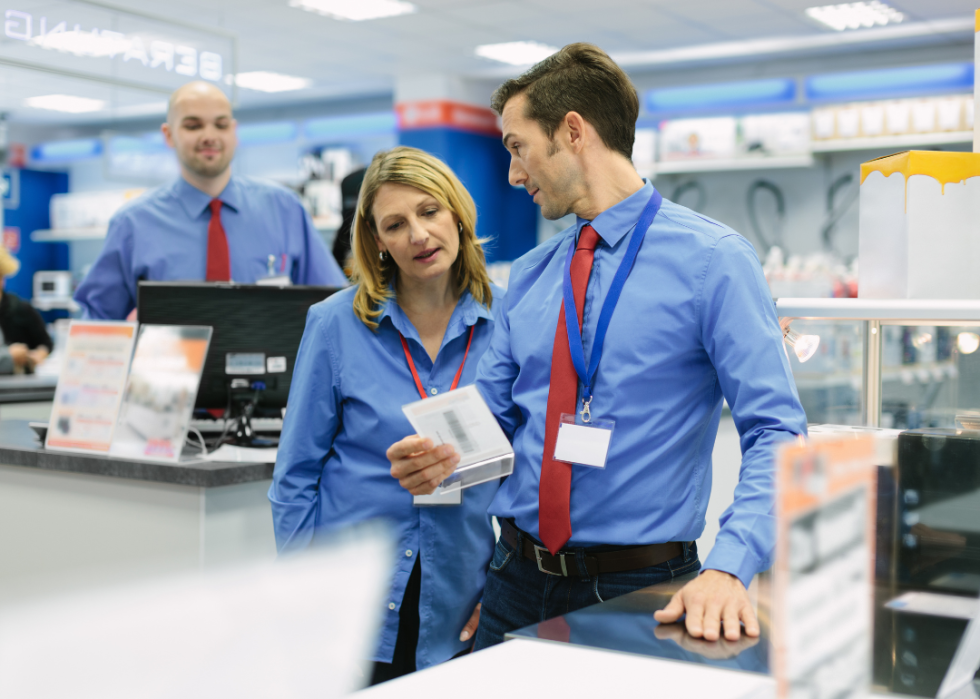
616, 561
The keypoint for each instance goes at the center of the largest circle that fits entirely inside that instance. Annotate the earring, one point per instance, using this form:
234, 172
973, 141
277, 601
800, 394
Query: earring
459, 225
383, 256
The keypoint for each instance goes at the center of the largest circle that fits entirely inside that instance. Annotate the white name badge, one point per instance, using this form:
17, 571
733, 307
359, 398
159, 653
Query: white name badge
583, 443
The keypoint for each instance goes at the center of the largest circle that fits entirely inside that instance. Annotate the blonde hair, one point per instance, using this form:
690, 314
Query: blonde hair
415, 168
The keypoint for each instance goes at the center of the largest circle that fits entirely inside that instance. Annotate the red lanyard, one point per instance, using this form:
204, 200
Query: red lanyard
415, 373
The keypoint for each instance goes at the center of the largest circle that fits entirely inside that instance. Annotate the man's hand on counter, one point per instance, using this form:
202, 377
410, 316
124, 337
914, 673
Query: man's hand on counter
418, 466
711, 600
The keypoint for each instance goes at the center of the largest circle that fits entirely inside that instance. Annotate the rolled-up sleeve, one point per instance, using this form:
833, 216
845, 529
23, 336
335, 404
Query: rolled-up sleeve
311, 423
741, 335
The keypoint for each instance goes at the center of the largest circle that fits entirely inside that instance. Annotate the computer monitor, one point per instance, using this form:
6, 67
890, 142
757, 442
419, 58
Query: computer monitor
257, 331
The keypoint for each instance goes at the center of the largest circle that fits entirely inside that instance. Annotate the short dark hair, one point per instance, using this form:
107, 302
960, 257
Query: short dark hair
578, 78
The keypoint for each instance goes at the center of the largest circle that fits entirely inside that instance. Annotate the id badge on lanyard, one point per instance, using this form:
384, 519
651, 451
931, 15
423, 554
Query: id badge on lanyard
583, 439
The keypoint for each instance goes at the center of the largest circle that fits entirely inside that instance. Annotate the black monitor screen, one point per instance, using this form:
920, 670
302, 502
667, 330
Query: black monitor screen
256, 332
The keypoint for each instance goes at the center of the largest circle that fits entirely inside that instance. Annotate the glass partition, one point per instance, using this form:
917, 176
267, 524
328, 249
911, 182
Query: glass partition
829, 382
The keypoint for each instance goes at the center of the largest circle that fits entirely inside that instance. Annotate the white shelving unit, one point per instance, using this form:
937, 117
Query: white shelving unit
889, 142
673, 167
67, 235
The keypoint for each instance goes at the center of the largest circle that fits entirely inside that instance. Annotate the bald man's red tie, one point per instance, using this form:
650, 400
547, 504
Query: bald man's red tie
219, 265
554, 520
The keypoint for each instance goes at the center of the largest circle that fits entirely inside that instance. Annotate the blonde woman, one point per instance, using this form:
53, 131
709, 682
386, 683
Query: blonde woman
415, 323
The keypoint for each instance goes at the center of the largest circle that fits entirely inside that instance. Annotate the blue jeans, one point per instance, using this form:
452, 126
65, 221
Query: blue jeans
517, 594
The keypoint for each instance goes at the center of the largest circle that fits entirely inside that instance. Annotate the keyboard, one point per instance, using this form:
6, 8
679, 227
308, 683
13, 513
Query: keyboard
259, 424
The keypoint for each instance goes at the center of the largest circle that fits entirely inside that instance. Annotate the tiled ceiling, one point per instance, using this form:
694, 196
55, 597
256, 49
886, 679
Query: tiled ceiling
360, 58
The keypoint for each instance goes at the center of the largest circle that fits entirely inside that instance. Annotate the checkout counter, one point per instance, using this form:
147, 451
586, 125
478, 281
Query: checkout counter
94, 519
928, 540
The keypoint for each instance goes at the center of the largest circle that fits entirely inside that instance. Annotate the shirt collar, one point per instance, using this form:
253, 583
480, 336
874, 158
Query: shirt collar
195, 202
467, 312
618, 220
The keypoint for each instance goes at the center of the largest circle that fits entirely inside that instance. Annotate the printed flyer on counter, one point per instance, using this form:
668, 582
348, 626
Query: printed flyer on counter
90, 386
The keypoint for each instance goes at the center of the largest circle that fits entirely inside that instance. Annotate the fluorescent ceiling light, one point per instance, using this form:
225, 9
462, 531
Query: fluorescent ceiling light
356, 10
264, 81
65, 103
516, 53
855, 15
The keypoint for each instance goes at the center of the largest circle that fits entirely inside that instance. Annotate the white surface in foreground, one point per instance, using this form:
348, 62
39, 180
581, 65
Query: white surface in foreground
525, 668
297, 628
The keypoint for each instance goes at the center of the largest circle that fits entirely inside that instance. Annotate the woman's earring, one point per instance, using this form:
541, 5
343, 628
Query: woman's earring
459, 225
383, 256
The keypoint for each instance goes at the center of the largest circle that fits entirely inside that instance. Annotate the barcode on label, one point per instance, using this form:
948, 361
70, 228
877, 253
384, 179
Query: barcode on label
459, 434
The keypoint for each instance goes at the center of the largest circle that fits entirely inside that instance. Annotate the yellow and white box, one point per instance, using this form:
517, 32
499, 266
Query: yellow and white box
919, 229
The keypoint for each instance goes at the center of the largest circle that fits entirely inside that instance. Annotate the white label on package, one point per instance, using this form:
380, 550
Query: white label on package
578, 444
460, 418
275, 365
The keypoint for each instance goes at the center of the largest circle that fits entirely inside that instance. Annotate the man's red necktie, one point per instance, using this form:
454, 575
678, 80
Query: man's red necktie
219, 266
554, 521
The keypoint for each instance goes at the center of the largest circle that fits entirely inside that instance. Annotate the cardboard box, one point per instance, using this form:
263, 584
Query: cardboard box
919, 230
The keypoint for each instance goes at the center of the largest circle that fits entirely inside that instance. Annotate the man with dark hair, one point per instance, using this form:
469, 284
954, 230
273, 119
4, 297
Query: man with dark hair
658, 314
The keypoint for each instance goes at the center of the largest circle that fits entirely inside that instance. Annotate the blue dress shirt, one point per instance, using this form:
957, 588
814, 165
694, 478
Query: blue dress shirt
163, 236
695, 323
344, 413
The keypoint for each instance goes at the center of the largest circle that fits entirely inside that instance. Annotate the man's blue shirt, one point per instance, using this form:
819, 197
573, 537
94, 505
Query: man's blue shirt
344, 412
163, 236
695, 324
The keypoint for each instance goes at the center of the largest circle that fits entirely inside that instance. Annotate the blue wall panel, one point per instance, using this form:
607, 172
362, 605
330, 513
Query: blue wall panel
506, 215
31, 214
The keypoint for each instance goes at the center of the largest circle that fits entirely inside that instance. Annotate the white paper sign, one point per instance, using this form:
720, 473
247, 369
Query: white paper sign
90, 386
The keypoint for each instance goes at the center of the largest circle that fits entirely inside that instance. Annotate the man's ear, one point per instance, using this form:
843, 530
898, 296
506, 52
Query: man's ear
577, 131
167, 134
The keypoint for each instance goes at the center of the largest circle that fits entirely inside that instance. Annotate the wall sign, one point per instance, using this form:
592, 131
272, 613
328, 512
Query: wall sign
80, 39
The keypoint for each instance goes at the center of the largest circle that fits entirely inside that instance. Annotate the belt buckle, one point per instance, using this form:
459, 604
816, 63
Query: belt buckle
560, 557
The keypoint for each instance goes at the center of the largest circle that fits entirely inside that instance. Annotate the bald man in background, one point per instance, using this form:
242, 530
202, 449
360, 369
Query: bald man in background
208, 225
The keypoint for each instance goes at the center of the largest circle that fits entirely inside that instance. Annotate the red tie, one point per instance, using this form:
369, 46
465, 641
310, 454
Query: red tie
554, 521
219, 266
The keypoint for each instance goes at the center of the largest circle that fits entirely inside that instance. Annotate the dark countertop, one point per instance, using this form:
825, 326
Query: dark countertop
911, 652
27, 388
19, 446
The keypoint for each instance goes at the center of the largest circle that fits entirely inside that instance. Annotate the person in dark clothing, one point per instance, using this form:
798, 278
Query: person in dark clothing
350, 188
26, 342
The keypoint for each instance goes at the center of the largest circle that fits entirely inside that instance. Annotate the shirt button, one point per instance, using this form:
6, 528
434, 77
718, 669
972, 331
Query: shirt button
433, 391
408, 554
391, 605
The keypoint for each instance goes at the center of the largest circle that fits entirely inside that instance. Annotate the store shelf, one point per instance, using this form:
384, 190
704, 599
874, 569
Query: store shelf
674, 167
66, 235
892, 142
910, 311
67, 304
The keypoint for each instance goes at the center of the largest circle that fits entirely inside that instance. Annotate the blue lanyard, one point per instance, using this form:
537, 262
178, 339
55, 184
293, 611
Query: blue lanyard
612, 298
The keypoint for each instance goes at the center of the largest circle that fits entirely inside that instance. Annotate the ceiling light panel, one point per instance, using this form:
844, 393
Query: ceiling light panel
855, 15
356, 10
65, 103
516, 53
264, 81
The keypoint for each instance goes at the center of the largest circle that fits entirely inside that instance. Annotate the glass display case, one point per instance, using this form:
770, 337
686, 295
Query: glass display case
887, 363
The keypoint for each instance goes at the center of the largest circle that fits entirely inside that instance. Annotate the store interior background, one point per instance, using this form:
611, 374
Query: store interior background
359, 73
